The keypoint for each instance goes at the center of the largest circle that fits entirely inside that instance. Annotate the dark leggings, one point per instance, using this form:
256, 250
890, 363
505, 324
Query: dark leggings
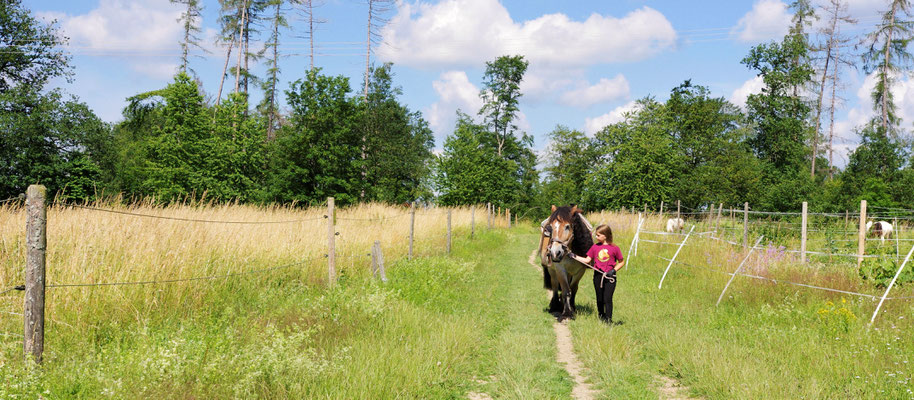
604, 295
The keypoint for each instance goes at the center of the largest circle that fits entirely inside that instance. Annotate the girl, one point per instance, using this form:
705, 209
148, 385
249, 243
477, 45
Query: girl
607, 259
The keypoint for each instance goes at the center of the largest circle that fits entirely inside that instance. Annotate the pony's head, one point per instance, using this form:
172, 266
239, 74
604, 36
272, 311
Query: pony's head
560, 230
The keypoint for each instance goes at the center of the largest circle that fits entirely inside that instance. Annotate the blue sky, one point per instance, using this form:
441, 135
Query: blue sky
589, 60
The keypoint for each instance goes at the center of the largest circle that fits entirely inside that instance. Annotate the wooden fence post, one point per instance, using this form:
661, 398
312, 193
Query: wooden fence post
412, 230
803, 234
661, 209
36, 245
710, 221
645, 210
717, 224
508, 214
449, 231
897, 233
677, 209
472, 220
746, 224
377, 261
861, 234
488, 215
331, 242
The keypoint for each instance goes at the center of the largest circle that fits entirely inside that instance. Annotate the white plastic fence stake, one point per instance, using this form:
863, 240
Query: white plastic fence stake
861, 234
803, 235
906, 259
738, 269
634, 240
674, 257
638, 232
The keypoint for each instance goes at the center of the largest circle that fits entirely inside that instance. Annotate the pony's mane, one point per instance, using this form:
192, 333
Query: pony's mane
582, 239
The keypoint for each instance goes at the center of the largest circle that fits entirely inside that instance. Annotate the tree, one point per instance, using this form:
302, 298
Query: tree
307, 11
30, 55
44, 137
469, 171
779, 116
637, 161
376, 11
833, 61
714, 163
569, 157
887, 55
398, 143
268, 107
317, 154
189, 20
500, 94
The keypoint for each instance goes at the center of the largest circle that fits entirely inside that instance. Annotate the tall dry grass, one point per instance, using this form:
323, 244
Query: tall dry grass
88, 246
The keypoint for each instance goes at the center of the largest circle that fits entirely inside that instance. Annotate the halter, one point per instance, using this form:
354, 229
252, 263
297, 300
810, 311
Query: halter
552, 239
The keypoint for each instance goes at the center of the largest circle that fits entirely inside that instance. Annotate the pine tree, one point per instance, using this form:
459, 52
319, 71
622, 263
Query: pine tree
887, 55
190, 21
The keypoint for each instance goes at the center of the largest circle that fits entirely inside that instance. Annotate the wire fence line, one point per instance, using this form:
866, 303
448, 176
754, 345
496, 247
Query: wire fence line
198, 278
873, 297
194, 219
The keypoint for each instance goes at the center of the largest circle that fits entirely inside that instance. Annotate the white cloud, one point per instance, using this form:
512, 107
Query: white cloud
133, 29
768, 19
741, 94
455, 91
605, 90
470, 32
119, 25
594, 125
159, 70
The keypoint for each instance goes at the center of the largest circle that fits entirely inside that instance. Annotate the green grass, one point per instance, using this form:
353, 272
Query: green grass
473, 322
764, 340
440, 328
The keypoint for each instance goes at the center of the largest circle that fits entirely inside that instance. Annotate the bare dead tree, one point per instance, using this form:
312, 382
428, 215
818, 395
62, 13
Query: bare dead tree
308, 16
190, 21
377, 9
836, 12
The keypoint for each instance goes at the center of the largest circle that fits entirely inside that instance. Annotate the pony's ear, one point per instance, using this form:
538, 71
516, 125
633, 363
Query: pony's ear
575, 209
553, 208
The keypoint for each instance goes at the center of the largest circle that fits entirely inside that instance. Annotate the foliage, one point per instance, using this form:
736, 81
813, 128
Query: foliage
470, 171
569, 158
500, 95
397, 144
318, 154
881, 269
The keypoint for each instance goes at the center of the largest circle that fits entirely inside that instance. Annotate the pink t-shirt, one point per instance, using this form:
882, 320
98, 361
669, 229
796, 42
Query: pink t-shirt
604, 256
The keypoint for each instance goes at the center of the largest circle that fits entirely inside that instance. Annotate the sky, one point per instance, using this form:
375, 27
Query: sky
589, 60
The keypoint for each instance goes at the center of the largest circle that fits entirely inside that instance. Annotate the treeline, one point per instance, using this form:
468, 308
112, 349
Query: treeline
330, 139
776, 153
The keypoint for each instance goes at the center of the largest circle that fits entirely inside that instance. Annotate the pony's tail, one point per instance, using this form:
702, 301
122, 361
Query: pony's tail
547, 281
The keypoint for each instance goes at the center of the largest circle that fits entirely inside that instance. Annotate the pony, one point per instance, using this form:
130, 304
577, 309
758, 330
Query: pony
674, 224
565, 232
881, 229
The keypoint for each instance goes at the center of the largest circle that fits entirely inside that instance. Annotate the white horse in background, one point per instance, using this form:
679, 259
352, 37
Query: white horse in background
880, 229
674, 224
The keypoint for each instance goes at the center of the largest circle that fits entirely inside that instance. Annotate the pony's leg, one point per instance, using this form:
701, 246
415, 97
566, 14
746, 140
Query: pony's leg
562, 275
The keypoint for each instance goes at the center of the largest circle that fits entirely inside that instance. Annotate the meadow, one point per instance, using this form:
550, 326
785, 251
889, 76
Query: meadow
443, 326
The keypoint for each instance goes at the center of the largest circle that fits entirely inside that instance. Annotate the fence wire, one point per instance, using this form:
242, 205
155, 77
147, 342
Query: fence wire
196, 220
198, 278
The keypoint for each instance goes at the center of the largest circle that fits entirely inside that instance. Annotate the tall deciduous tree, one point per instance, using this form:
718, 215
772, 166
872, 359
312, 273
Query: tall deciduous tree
44, 137
469, 171
500, 95
399, 143
316, 155
569, 157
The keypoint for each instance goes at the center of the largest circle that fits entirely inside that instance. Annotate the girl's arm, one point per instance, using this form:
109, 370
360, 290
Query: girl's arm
582, 260
620, 265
